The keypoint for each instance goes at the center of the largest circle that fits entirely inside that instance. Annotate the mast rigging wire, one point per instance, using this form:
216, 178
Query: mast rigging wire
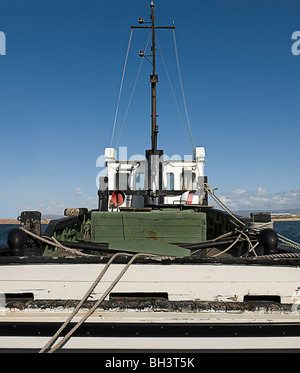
181, 86
132, 92
121, 86
182, 90
171, 86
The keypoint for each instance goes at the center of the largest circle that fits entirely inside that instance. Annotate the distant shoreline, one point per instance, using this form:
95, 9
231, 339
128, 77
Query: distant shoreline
286, 219
46, 221
16, 222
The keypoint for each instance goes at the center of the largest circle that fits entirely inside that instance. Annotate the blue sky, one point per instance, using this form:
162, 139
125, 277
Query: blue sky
60, 80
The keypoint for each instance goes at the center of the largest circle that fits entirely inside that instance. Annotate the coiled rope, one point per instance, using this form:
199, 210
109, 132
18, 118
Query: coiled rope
279, 256
282, 239
228, 248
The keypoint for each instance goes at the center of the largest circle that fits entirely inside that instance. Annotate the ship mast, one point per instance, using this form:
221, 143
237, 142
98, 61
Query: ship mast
153, 80
153, 166
153, 76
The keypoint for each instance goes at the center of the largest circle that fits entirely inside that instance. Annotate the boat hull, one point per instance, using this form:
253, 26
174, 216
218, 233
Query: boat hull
136, 332
166, 305
176, 279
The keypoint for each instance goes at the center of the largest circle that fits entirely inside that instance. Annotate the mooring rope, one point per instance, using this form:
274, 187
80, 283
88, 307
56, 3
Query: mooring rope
228, 248
84, 318
288, 242
55, 243
221, 204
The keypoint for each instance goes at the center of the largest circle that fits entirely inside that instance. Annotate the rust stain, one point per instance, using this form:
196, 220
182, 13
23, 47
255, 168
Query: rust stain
152, 234
234, 298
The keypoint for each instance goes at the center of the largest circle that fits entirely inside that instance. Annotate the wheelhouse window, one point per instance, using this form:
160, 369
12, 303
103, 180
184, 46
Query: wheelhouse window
139, 181
188, 180
170, 181
122, 180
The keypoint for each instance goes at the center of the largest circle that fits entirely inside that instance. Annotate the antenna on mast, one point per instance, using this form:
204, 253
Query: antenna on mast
153, 76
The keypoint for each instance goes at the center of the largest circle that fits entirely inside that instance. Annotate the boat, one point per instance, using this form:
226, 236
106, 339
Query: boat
153, 267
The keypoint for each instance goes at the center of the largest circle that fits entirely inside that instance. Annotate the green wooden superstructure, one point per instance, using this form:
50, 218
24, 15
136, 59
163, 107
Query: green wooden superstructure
164, 226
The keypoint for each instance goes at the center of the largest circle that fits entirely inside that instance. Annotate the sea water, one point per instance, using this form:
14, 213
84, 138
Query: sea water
5, 228
289, 229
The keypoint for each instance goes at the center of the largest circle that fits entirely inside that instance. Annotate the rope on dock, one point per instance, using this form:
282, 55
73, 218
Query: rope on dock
47, 348
288, 242
222, 205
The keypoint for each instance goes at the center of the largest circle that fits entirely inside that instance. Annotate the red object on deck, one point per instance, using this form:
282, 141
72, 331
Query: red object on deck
117, 198
190, 198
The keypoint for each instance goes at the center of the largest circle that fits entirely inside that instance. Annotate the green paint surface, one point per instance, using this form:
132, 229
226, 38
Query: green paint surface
163, 226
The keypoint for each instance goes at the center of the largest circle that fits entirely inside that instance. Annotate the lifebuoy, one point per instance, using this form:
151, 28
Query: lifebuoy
117, 198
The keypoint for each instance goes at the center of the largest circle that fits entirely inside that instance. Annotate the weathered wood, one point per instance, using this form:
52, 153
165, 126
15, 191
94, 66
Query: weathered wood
209, 282
166, 226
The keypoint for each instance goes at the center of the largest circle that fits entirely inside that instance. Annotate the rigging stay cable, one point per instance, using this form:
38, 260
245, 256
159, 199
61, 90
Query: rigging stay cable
121, 86
171, 86
182, 91
132, 92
